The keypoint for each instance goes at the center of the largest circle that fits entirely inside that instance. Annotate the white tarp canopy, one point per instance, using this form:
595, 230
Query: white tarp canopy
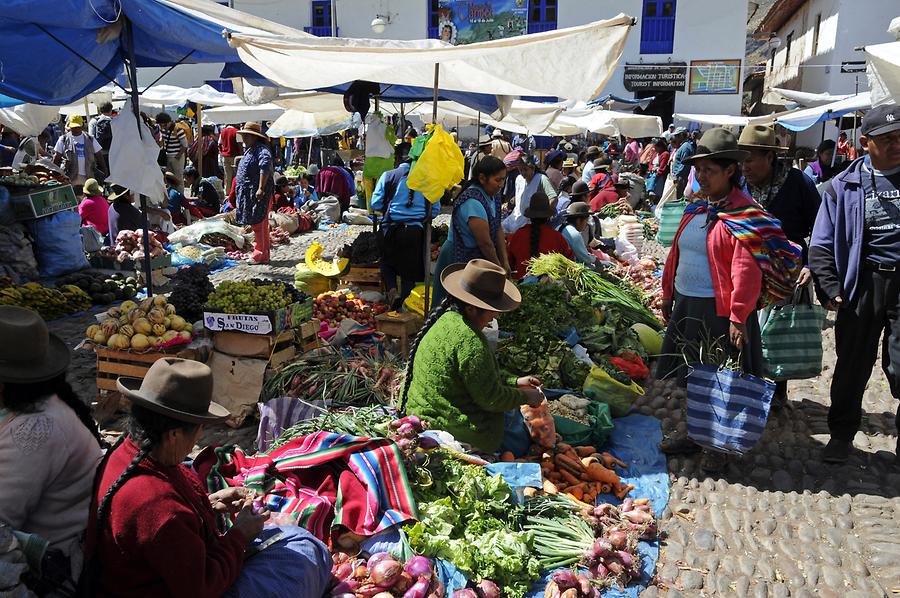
523, 65
168, 95
883, 70
800, 120
224, 115
296, 123
521, 117
312, 101
778, 95
28, 119
722, 120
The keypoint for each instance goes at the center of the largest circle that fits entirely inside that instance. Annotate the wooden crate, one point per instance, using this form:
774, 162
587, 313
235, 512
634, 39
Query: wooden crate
111, 364
401, 326
308, 336
364, 278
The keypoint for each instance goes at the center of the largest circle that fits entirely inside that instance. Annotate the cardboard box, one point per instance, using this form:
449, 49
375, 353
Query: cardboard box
44, 201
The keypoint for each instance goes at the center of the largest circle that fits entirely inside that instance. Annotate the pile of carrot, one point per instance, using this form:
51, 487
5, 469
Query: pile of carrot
580, 473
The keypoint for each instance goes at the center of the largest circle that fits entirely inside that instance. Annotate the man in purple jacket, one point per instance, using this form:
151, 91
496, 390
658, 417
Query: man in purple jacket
855, 259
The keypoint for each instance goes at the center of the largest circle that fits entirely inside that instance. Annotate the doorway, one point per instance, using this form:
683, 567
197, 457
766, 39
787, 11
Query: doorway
663, 105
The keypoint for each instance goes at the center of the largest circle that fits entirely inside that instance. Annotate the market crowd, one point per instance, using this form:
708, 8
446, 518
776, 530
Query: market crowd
755, 233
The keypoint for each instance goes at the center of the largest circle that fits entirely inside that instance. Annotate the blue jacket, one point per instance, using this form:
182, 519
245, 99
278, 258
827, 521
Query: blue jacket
836, 246
396, 211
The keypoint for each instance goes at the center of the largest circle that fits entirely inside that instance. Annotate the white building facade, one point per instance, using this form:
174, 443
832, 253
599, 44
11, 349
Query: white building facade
687, 54
814, 39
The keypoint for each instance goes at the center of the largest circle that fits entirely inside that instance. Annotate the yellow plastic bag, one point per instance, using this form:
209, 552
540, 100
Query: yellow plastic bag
439, 168
602, 387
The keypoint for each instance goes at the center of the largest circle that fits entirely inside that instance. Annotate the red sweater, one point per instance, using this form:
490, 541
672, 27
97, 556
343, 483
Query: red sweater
519, 247
160, 536
736, 277
604, 197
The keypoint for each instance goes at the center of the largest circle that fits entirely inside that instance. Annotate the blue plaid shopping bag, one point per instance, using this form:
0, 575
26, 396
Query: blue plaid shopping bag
727, 410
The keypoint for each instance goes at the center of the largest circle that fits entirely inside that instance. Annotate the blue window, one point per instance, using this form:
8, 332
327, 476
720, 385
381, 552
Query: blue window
434, 17
320, 19
542, 15
658, 27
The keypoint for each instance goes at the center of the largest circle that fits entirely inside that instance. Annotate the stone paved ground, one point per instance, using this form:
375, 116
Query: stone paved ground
777, 522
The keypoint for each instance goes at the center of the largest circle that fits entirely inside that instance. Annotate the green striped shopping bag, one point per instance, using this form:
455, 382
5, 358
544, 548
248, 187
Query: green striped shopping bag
792, 338
669, 218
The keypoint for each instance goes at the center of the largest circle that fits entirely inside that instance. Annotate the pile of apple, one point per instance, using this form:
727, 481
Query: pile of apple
150, 324
333, 306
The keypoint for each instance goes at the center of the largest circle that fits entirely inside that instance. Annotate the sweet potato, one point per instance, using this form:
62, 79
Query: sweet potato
507, 457
585, 451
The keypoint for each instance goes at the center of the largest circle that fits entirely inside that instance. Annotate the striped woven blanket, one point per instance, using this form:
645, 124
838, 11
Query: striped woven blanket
779, 259
323, 481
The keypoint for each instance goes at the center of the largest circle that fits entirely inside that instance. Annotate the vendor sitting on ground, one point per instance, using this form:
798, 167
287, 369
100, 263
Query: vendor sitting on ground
94, 209
537, 237
613, 194
153, 529
305, 191
454, 381
285, 193
124, 216
49, 450
175, 201
578, 218
206, 203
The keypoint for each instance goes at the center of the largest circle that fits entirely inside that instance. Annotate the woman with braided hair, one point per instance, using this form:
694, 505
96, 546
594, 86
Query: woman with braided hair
49, 449
154, 530
536, 238
453, 380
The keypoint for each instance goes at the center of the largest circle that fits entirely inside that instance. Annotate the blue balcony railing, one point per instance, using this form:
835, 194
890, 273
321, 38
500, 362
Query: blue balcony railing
324, 31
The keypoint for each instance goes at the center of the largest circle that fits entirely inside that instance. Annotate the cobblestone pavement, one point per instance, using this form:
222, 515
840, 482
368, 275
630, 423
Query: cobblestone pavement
778, 522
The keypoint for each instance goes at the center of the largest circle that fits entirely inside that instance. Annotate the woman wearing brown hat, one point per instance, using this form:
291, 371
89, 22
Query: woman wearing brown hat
49, 450
787, 194
453, 379
712, 282
536, 238
154, 530
254, 187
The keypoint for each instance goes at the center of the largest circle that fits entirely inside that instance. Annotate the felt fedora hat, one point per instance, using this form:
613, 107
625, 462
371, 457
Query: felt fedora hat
759, 137
484, 140
178, 388
482, 284
719, 143
579, 189
252, 128
578, 208
28, 351
539, 207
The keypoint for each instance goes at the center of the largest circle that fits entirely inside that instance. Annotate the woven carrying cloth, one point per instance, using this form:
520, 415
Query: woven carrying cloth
323, 480
779, 259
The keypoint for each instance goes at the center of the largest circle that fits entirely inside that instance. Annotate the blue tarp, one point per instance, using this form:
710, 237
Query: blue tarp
46, 72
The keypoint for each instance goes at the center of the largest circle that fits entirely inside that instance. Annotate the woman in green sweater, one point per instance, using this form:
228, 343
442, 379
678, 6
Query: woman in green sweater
453, 380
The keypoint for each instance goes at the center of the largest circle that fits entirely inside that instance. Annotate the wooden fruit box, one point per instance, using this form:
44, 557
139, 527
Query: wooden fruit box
365, 278
111, 364
308, 336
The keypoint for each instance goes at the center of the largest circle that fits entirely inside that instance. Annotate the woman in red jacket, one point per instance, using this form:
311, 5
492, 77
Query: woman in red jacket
153, 529
711, 280
536, 238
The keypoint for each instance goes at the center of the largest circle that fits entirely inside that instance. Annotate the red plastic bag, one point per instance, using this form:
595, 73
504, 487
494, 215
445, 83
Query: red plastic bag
630, 364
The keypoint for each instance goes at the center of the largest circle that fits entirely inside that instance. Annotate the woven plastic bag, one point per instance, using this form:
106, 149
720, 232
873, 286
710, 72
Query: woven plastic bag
595, 434
602, 387
439, 168
727, 410
669, 219
792, 339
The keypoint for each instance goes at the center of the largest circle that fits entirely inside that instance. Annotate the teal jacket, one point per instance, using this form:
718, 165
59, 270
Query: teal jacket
457, 385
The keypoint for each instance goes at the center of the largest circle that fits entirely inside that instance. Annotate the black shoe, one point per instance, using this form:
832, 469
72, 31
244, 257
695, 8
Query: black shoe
837, 451
675, 445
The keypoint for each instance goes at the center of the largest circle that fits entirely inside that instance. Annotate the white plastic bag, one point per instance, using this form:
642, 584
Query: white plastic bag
626, 252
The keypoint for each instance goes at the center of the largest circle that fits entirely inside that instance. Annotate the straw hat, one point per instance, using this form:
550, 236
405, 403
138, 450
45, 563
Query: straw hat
28, 351
484, 140
497, 134
91, 187
252, 128
482, 284
569, 163
178, 388
718, 143
539, 207
759, 137
117, 192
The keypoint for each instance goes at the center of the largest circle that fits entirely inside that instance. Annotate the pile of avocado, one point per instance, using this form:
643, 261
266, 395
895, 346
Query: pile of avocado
103, 288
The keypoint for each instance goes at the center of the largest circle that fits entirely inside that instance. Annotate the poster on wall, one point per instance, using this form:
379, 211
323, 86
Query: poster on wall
467, 21
715, 77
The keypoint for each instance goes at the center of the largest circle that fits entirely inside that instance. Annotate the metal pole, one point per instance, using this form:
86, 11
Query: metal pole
199, 141
309, 153
333, 18
427, 256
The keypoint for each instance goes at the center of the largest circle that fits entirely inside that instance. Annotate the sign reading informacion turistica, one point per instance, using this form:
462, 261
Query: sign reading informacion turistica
471, 21
667, 76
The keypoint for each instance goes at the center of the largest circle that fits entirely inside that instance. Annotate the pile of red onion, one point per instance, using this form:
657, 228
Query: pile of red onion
383, 576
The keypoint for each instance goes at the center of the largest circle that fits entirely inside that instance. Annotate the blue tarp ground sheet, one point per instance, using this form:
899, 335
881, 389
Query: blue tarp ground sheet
635, 441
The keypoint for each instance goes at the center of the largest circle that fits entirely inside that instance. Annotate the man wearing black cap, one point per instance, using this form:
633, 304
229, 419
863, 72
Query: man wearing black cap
855, 260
